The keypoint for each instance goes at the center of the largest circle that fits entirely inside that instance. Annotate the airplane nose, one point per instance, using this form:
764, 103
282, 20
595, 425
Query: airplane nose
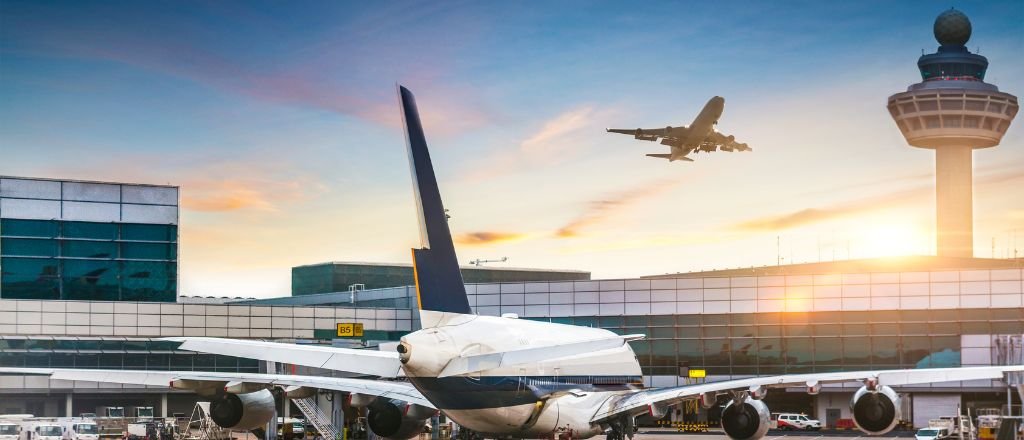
404, 352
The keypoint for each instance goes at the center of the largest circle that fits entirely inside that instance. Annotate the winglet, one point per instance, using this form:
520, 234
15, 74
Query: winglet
439, 285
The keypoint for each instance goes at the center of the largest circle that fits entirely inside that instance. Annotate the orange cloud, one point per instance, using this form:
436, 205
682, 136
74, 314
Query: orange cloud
484, 237
819, 214
600, 210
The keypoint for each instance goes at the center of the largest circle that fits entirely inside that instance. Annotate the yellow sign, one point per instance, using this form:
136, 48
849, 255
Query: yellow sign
697, 374
350, 329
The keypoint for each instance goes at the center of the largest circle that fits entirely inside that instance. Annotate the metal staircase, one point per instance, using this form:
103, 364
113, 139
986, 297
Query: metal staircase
317, 417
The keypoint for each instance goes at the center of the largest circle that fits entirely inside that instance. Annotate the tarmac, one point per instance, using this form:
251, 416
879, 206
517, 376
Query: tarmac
717, 434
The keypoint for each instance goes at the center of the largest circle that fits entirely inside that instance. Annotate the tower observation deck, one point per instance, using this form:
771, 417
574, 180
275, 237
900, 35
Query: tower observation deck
953, 111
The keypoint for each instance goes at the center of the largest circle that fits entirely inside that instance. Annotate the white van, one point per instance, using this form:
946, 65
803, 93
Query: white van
81, 430
41, 431
790, 421
932, 433
9, 430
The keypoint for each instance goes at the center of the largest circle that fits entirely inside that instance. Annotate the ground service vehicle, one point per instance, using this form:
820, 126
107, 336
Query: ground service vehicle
798, 422
9, 430
931, 433
78, 429
41, 431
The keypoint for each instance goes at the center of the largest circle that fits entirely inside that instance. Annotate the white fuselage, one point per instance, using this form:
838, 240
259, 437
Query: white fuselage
524, 400
705, 122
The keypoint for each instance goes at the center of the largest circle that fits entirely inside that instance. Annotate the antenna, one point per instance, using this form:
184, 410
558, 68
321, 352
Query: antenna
479, 262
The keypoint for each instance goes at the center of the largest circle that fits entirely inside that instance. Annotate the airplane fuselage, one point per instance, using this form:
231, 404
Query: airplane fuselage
704, 123
526, 400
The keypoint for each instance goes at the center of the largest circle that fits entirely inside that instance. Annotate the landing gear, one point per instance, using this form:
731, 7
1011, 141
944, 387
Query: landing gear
620, 429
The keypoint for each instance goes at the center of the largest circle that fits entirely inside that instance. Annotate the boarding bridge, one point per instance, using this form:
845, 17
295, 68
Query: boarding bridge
317, 417
1009, 350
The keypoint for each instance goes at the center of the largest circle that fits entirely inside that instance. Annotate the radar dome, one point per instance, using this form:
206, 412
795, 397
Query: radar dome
952, 28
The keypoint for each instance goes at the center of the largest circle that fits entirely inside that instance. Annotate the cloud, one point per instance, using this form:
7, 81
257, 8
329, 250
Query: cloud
233, 194
812, 215
600, 210
554, 143
486, 237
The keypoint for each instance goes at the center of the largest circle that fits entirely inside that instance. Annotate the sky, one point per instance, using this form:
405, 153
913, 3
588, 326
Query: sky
280, 123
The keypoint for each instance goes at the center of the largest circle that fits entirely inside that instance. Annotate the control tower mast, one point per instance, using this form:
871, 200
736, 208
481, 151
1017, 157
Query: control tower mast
953, 111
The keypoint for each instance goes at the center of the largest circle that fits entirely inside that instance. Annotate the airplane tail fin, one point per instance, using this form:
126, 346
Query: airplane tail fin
439, 285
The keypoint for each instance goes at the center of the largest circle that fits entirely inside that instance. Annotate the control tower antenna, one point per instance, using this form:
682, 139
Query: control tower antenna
953, 111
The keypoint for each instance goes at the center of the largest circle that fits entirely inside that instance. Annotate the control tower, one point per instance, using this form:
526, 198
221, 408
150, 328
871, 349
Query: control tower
953, 111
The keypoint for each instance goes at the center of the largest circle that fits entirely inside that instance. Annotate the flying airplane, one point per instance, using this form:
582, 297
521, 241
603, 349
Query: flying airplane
699, 136
502, 377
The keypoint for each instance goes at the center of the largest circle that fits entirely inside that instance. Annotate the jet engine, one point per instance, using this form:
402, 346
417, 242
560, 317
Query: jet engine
242, 411
395, 419
747, 420
875, 411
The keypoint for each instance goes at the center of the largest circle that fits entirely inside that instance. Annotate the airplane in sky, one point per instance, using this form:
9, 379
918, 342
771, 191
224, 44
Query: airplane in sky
699, 136
500, 376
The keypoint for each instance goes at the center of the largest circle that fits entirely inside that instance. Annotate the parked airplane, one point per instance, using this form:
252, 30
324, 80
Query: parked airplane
699, 136
500, 376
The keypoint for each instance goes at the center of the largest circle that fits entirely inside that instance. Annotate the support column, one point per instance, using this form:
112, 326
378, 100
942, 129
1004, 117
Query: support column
68, 407
338, 412
163, 405
954, 201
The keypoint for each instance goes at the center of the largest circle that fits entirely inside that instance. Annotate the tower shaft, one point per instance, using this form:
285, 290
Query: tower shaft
954, 205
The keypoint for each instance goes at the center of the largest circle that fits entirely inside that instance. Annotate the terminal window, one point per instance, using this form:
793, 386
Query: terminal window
50, 259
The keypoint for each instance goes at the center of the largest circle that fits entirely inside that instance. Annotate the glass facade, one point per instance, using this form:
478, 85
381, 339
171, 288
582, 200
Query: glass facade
115, 354
337, 277
75, 260
793, 342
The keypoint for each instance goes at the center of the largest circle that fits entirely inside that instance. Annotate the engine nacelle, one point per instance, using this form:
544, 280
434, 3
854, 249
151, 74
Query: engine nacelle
242, 411
395, 419
876, 411
748, 420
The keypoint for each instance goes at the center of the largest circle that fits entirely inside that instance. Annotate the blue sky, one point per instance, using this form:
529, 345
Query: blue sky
279, 121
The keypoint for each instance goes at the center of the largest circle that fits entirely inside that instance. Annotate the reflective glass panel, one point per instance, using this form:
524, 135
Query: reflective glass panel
28, 247
769, 351
148, 251
744, 351
91, 280
148, 232
915, 351
885, 350
857, 351
799, 351
663, 353
828, 351
716, 351
92, 230
691, 351
29, 278
28, 228
89, 249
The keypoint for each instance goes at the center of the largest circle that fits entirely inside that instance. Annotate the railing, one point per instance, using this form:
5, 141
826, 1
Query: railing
317, 418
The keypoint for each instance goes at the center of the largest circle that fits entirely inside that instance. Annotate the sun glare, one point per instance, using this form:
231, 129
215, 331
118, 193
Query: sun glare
891, 240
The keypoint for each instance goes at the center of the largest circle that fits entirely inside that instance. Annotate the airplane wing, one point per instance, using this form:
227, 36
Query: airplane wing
197, 380
650, 134
640, 401
369, 362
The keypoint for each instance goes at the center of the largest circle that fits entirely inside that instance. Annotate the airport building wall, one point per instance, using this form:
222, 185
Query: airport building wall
75, 240
729, 326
